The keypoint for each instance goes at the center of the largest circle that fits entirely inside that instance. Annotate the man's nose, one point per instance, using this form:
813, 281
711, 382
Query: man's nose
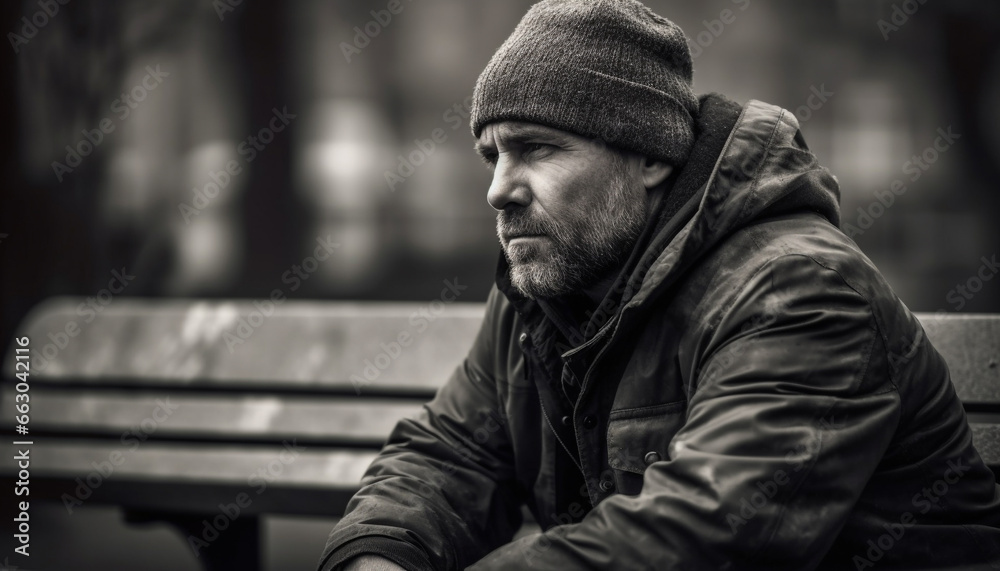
509, 186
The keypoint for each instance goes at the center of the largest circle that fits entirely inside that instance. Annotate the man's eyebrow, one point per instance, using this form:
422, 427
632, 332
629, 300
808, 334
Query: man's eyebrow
514, 134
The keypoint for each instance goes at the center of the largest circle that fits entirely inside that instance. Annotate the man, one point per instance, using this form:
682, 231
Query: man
684, 364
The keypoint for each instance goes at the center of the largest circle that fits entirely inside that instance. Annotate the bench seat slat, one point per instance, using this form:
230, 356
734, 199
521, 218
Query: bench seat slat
212, 416
161, 479
203, 462
169, 462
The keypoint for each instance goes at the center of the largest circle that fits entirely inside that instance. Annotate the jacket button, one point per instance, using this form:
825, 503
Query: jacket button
607, 485
566, 420
522, 339
589, 421
651, 457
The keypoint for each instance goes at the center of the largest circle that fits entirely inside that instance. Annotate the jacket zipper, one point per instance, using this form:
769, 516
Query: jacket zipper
545, 415
597, 357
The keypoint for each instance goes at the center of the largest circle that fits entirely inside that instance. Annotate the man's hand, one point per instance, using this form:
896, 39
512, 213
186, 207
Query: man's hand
371, 563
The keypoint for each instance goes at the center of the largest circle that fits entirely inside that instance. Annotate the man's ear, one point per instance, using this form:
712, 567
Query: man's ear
654, 172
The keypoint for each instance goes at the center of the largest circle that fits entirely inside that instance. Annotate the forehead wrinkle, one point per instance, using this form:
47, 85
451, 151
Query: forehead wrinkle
520, 131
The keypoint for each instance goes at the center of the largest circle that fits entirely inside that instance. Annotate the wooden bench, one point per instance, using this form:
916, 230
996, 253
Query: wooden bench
286, 409
233, 405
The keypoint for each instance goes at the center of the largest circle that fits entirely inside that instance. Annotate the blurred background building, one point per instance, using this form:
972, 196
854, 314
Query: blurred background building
205, 146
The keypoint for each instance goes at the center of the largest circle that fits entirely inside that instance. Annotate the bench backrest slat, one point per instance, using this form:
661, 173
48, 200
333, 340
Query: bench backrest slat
347, 346
970, 344
308, 345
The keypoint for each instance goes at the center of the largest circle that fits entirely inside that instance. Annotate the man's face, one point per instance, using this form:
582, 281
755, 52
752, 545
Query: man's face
569, 209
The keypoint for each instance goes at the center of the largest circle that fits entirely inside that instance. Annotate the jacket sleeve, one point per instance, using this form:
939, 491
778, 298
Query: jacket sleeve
791, 411
440, 495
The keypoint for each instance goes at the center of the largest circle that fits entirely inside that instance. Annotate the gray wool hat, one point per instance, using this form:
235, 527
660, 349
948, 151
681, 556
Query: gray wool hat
605, 69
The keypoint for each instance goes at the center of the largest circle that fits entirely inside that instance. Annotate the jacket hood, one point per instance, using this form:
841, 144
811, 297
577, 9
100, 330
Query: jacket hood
765, 169
748, 164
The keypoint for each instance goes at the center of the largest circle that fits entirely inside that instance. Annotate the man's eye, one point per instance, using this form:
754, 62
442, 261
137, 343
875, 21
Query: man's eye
490, 159
534, 148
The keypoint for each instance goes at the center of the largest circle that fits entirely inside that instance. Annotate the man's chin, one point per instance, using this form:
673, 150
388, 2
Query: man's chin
537, 280
528, 250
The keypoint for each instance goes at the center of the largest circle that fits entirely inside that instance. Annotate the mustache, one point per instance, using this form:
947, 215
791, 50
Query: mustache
512, 223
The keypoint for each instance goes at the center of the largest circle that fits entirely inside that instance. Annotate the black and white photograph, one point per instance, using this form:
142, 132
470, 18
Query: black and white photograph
429, 285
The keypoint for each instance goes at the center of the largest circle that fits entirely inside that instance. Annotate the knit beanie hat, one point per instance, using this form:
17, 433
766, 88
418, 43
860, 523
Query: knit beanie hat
604, 69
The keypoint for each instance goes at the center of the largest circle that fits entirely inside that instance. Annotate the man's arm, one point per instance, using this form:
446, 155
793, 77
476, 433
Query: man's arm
791, 413
438, 497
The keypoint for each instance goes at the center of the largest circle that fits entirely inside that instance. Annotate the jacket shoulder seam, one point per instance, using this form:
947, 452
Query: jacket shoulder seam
763, 159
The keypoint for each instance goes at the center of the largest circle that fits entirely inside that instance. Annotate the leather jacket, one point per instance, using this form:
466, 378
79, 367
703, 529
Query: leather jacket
754, 396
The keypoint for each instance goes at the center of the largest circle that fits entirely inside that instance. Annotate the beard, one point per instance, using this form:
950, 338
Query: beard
578, 253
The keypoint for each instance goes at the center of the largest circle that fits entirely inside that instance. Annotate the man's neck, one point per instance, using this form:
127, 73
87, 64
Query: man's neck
597, 292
